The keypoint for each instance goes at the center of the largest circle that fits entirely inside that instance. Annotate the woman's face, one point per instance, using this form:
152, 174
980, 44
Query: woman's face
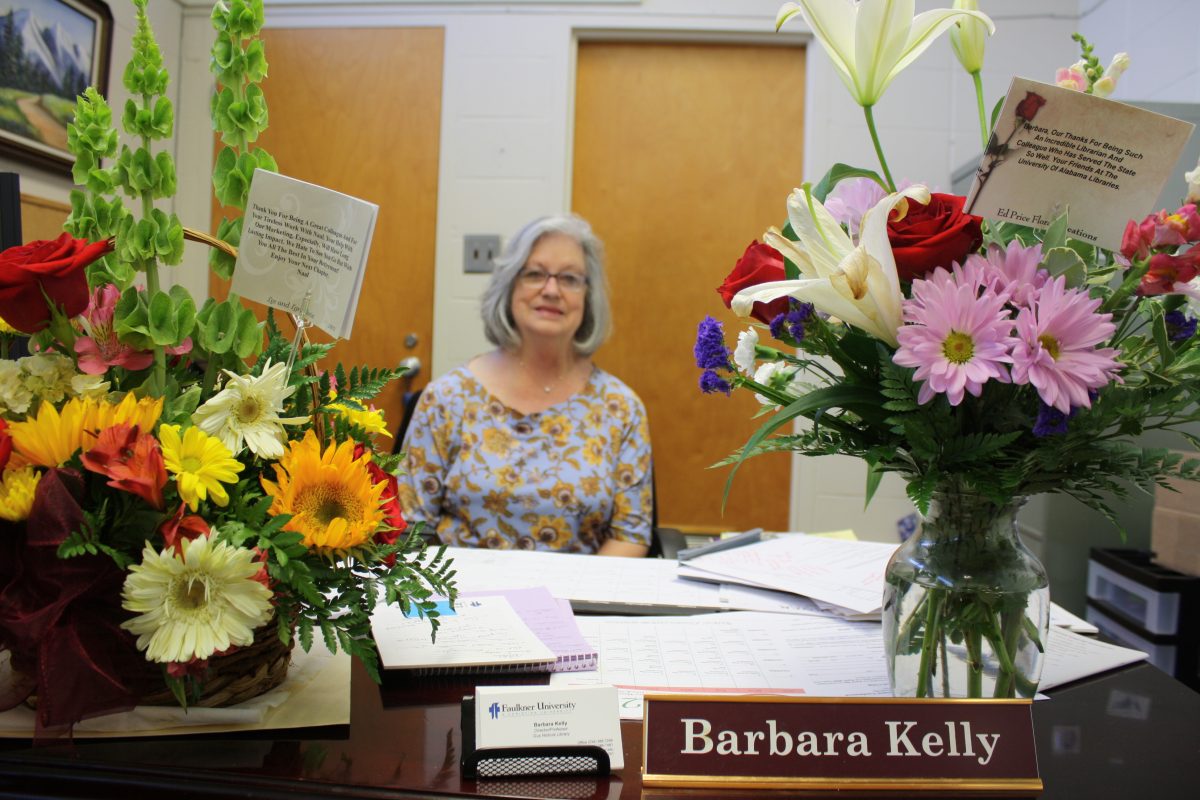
550, 292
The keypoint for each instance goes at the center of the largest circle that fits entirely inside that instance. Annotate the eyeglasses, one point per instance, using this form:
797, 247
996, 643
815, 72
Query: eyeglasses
567, 281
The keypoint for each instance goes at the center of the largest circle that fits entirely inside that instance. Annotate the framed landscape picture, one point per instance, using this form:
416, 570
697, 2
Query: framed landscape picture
50, 51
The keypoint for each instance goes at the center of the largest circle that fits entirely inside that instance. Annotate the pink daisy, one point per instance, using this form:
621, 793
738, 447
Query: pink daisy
851, 199
1056, 347
957, 338
1014, 269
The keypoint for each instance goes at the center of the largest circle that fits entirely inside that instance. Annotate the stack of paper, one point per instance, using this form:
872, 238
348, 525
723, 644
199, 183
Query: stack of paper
839, 576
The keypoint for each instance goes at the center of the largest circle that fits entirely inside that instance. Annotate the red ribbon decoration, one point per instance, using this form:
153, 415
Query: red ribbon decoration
60, 618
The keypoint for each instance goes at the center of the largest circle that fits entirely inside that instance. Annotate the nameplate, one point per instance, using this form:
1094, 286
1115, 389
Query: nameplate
884, 744
549, 716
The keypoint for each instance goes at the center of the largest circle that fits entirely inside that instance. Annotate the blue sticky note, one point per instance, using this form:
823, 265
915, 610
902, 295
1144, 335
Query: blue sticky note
442, 607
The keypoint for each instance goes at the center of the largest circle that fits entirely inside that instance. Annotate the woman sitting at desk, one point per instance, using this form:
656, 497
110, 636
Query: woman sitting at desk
531, 445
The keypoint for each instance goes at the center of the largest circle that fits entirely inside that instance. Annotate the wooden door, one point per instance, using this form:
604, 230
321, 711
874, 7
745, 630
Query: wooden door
359, 111
42, 218
683, 154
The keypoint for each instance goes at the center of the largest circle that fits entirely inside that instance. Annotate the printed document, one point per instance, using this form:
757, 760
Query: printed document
846, 574
763, 653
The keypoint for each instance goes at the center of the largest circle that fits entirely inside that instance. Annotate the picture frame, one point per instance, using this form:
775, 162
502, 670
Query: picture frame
50, 51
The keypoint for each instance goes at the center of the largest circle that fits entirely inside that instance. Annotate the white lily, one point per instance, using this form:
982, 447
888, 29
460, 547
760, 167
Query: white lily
967, 38
858, 285
871, 41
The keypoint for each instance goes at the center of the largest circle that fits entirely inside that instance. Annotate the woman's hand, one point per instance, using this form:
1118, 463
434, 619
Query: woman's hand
613, 547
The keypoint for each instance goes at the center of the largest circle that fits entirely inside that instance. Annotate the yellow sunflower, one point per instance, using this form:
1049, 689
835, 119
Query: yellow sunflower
16, 493
332, 499
200, 464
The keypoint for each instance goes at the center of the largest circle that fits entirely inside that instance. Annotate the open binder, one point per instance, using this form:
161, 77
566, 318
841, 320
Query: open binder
523, 630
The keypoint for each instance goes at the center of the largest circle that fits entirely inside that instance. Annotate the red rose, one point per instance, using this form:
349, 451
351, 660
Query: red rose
1027, 109
56, 268
760, 263
933, 235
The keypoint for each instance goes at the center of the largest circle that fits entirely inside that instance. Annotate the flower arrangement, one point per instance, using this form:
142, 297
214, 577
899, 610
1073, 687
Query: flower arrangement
179, 484
981, 360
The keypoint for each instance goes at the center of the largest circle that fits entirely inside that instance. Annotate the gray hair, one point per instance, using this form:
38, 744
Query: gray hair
498, 324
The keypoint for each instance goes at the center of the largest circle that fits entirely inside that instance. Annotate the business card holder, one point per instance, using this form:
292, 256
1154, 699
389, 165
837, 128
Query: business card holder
491, 762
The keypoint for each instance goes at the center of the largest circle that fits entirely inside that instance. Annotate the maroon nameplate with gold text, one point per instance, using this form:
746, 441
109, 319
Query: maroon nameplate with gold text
839, 742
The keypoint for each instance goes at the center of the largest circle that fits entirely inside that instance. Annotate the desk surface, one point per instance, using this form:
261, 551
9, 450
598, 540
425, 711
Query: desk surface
1132, 733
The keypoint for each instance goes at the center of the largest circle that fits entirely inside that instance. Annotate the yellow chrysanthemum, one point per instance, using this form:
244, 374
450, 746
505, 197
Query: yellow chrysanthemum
16, 493
200, 464
51, 437
369, 419
142, 412
332, 499
6, 328
195, 604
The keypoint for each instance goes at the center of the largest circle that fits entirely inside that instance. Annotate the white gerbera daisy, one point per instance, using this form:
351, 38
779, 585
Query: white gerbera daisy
195, 604
246, 412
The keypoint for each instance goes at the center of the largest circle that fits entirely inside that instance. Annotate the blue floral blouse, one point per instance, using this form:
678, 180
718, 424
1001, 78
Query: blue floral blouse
567, 478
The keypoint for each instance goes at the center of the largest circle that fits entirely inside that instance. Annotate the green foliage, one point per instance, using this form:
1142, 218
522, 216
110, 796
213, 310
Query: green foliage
239, 113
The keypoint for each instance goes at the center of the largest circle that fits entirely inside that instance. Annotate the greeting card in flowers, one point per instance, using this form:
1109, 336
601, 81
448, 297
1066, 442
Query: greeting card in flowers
304, 250
1054, 149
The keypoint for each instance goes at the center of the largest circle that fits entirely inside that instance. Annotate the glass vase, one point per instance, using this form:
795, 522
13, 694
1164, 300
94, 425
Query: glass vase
966, 606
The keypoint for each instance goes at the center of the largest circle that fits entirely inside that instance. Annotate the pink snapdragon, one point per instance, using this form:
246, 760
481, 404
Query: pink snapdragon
958, 336
1056, 349
1073, 77
1161, 230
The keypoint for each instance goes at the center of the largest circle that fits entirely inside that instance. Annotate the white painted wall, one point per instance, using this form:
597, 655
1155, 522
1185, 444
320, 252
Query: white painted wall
1161, 38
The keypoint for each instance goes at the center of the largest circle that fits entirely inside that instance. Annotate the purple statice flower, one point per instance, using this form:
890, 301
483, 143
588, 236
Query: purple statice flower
711, 382
710, 349
792, 322
1050, 421
957, 341
1180, 327
1056, 348
851, 199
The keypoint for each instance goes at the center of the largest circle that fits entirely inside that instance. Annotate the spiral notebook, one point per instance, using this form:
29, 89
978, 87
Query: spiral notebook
516, 630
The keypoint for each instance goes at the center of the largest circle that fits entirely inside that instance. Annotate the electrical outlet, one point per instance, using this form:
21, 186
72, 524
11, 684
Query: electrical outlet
480, 251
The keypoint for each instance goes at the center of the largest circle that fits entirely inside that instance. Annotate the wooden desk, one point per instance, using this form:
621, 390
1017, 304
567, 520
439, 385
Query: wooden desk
1134, 733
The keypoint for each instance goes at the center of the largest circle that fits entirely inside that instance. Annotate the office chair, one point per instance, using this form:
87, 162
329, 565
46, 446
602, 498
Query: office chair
664, 542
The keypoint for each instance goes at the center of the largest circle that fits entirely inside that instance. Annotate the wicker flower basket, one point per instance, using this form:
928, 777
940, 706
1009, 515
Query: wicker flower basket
234, 678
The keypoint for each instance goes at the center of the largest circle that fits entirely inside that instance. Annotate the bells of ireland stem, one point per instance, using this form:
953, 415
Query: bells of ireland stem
871, 41
967, 38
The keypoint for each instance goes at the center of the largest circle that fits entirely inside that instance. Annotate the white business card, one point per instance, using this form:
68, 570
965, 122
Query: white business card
545, 716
